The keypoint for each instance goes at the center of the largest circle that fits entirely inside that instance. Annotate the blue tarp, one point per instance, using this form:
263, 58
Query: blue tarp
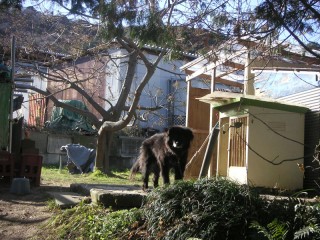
83, 158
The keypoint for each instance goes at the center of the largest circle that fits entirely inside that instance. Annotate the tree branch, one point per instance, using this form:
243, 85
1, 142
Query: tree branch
95, 121
282, 22
115, 126
74, 86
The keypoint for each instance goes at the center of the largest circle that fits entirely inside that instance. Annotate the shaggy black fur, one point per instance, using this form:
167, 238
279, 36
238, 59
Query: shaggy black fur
161, 152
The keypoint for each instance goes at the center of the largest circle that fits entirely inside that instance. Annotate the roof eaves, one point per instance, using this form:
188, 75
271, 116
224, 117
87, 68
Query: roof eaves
222, 100
266, 104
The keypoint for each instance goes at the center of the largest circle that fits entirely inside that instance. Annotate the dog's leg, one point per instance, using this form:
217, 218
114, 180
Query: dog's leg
165, 174
180, 168
145, 176
156, 174
178, 174
145, 181
156, 180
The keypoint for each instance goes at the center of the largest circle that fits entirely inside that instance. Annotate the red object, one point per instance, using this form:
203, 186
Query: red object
31, 165
6, 165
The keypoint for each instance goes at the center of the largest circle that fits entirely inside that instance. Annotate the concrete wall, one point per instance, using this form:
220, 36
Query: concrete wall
49, 147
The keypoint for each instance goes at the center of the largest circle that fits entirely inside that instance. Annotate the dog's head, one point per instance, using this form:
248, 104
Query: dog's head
179, 138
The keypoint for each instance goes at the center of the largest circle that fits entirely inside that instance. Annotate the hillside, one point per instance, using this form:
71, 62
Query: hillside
44, 31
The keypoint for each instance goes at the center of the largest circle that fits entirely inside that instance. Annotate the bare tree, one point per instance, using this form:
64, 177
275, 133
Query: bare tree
174, 26
64, 72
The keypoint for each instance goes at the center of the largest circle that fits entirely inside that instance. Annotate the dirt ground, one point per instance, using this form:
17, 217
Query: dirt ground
22, 216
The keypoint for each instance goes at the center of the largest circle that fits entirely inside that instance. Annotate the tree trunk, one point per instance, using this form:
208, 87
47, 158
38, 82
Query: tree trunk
106, 162
103, 151
115, 122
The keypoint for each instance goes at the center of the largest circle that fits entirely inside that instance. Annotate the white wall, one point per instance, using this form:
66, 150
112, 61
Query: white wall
115, 72
156, 91
275, 148
265, 144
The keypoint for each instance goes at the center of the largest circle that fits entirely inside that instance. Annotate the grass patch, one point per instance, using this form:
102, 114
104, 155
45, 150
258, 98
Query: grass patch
63, 177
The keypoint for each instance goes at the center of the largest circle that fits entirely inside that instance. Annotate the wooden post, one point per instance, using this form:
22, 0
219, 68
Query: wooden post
205, 170
213, 88
13, 62
248, 86
188, 103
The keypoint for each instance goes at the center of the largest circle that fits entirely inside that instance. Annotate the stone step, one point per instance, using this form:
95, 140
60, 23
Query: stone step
67, 199
115, 196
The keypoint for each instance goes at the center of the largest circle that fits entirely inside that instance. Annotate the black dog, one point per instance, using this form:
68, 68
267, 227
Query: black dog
161, 152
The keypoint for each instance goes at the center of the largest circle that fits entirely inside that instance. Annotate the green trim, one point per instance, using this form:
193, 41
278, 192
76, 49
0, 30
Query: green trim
260, 103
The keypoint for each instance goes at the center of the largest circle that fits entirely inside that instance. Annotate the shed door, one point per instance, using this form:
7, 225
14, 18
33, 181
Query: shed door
238, 149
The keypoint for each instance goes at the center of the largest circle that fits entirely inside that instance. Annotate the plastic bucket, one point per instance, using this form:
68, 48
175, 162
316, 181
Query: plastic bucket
20, 186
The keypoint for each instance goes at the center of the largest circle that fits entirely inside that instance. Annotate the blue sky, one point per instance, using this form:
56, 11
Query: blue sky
279, 84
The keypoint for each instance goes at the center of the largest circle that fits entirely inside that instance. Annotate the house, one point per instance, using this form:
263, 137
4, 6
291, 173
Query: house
102, 76
162, 102
246, 62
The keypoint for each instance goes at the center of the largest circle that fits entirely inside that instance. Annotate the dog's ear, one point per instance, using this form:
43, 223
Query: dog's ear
191, 136
167, 131
185, 131
171, 131
174, 131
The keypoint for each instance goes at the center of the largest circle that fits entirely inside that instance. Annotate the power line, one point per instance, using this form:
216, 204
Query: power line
271, 161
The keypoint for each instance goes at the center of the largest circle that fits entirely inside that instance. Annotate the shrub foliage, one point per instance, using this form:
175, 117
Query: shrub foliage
203, 209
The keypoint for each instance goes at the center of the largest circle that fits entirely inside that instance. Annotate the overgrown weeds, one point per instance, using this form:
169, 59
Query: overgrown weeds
87, 221
203, 209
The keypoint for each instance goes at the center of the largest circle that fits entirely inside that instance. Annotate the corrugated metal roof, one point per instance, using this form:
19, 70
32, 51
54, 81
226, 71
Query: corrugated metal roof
310, 98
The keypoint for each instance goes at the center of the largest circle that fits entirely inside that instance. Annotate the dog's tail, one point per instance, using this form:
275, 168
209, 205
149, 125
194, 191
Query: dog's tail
135, 169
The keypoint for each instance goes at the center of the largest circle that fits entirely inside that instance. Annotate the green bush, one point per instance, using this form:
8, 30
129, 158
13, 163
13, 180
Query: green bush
222, 209
205, 209
294, 220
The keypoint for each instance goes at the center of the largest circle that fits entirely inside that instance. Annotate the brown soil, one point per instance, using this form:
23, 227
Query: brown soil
23, 216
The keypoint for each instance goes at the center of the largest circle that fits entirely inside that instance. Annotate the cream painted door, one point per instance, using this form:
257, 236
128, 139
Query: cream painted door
237, 157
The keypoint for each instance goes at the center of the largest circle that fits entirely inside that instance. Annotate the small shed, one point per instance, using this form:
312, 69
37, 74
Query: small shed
261, 141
